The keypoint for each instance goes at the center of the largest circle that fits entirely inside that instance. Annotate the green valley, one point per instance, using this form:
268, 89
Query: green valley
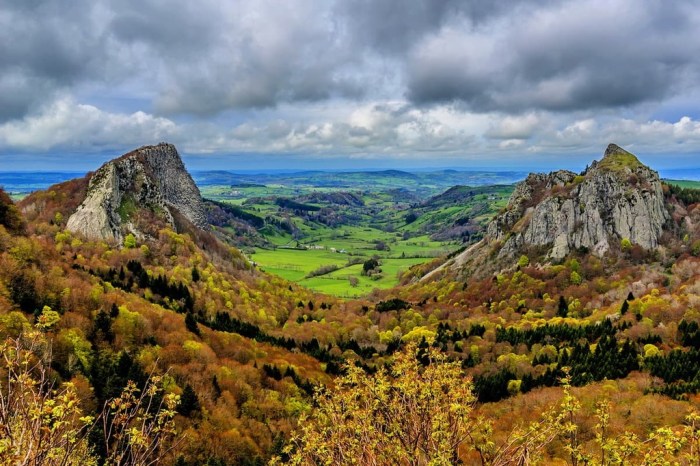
321, 231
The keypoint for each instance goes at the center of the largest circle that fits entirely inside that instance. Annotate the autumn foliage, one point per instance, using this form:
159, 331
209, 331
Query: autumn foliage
419, 412
245, 349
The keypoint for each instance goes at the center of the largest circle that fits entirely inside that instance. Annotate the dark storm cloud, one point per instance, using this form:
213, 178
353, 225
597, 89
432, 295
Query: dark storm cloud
45, 46
210, 56
216, 56
175, 28
395, 26
569, 56
199, 57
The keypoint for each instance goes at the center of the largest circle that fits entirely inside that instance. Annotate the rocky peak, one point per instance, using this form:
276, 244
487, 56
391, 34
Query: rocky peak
617, 160
613, 150
615, 198
138, 193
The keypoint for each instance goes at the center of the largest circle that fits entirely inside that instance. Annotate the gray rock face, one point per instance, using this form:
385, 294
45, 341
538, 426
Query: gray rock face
151, 177
615, 198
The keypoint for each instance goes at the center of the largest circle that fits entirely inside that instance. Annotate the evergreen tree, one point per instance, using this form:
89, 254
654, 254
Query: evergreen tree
563, 308
625, 307
217, 388
191, 324
103, 326
189, 402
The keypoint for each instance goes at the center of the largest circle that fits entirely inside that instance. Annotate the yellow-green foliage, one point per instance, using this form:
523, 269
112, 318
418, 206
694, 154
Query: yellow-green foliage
48, 318
76, 344
410, 412
129, 325
418, 333
575, 278
620, 161
62, 237
511, 361
651, 351
514, 386
388, 336
42, 424
372, 419
130, 241
13, 324
192, 347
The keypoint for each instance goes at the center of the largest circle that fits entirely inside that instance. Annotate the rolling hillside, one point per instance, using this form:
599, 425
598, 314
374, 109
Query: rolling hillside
244, 347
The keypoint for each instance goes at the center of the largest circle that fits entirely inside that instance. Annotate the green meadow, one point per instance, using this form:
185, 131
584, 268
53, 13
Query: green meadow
297, 264
321, 242
684, 183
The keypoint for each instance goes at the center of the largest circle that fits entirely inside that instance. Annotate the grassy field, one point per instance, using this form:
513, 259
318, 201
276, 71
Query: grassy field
684, 183
340, 237
354, 245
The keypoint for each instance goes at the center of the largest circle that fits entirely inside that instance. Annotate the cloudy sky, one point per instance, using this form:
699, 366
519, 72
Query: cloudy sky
349, 83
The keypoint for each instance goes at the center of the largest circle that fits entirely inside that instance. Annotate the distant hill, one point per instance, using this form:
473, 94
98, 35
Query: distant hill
421, 183
460, 212
333, 198
459, 195
388, 173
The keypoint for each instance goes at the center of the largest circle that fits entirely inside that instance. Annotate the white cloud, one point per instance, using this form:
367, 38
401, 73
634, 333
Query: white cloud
393, 129
515, 127
360, 78
66, 124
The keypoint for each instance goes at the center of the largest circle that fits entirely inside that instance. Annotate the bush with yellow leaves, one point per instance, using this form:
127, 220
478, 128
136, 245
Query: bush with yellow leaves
42, 422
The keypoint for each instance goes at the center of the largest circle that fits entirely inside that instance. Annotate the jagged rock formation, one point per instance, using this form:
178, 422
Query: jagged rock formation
616, 198
143, 188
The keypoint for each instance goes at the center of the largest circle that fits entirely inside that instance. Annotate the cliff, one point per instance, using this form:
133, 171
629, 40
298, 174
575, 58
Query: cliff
617, 198
138, 193
614, 199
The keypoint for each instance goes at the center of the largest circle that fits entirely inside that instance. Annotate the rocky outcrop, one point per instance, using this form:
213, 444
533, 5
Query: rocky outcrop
140, 189
614, 199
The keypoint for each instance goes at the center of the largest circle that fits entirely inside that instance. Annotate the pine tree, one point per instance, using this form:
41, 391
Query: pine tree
563, 308
189, 402
114, 311
625, 307
191, 324
103, 325
216, 386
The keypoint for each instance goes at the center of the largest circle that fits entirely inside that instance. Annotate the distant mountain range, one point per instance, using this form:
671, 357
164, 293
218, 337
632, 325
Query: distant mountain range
27, 181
